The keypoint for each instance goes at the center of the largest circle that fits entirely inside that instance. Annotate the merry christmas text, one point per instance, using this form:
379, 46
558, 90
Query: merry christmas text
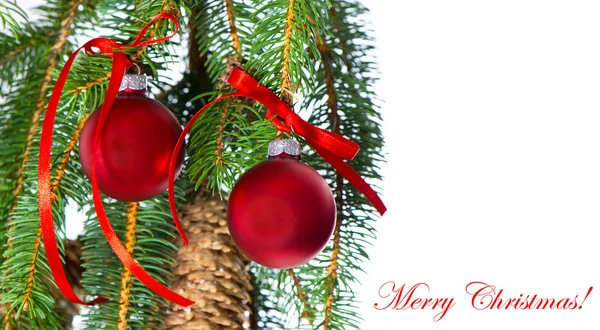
483, 297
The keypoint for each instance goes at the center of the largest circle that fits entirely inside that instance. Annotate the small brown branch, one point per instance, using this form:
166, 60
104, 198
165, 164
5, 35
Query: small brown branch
10, 55
307, 312
334, 261
286, 83
64, 161
90, 84
343, 43
232, 28
332, 101
220, 143
232, 62
126, 276
197, 61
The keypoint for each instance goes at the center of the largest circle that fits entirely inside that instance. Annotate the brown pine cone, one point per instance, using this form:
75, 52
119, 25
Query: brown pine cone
210, 271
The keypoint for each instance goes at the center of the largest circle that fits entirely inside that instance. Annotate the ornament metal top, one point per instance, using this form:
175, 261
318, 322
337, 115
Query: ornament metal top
284, 149
134, 82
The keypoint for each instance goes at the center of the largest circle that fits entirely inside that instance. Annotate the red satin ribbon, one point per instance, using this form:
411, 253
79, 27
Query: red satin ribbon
120, 64
331, 146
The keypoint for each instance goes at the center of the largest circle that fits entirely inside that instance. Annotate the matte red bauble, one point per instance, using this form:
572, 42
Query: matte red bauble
137, 142
281, 213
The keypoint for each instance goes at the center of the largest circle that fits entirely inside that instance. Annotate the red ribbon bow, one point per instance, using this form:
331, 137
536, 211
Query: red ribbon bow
331, 146
120, 64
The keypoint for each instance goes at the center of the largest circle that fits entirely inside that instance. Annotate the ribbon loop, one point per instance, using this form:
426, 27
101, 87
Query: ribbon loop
104, 46
138, 41
109, 48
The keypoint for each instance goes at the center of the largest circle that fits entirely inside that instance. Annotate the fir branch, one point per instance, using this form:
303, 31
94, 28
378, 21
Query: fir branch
342, 102
358, 120
267, 311
131, 304
19, 49
337, 25
224, 141
235, 39
307, 313
283, 49
55, 51
64, 161
8, 11
32, 285
332, 269
338, 185
223, 33
286, 84
126, 276
91, 84
25, 290
15, 52
220, 133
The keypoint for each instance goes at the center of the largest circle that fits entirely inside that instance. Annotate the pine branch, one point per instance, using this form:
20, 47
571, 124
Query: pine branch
73, 184
26, 294
223, 31
307, 313
60, 172
19, 49
283, 49
8, 11
235, 39
282, 56
148, 232
197, 63
346, 78
338, 185
126, 275
225, 140
15, 52
55, 51
341, 101
286, 84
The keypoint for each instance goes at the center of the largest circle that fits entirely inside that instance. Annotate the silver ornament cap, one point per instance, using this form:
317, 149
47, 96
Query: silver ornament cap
278, 147
136, 82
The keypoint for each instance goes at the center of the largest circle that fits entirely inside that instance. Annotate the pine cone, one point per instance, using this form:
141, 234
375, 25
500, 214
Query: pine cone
210, 271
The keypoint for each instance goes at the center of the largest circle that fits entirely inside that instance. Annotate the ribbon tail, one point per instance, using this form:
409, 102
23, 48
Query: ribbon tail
45, 198
350, 174
118, 70
175, 156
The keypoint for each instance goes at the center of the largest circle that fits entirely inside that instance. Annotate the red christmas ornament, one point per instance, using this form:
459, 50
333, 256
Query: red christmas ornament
137, 142
281, 212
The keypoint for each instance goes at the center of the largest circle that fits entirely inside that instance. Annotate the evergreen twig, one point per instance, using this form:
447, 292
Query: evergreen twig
126, 275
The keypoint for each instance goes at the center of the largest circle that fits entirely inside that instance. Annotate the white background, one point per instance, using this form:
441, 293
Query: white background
491, 118
492, 125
